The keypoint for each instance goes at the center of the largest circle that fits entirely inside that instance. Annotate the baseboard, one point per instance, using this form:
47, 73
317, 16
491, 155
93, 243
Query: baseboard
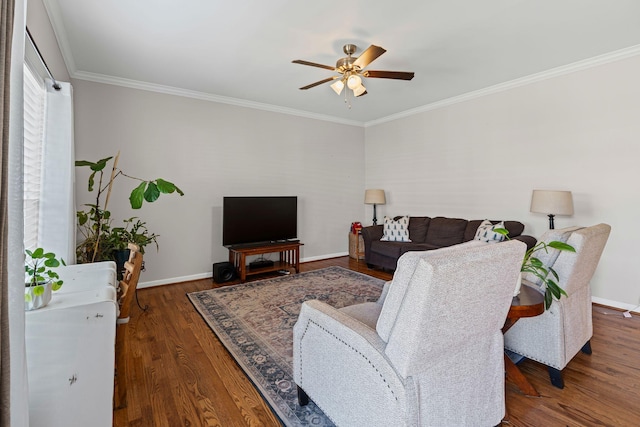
174, 280
208, 275
616, 304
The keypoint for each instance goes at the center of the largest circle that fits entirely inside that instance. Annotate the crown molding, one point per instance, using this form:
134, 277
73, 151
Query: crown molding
171, 90
533, 78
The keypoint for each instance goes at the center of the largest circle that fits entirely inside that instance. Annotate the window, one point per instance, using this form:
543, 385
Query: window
34, 123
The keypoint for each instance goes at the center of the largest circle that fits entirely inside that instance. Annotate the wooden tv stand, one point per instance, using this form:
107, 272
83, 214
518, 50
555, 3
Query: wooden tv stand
289, 257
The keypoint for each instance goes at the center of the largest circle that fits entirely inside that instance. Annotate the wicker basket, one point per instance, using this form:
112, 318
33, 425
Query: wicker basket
356, 246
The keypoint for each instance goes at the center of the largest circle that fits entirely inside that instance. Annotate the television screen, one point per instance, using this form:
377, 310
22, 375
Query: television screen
247, 220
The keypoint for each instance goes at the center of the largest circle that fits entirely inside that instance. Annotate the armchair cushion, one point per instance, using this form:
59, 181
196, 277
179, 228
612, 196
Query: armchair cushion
406, 266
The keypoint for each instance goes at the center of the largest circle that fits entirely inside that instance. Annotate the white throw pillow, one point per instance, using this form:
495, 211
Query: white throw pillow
396, 231
485, 232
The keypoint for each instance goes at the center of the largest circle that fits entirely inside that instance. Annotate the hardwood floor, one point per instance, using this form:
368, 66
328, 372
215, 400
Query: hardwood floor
181, 375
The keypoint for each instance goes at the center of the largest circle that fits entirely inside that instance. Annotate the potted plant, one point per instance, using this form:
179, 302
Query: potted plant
135, 231
532, 264
40, 279
100, 240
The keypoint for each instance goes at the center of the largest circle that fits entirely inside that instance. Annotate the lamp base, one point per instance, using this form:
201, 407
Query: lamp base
551, 221
375, 220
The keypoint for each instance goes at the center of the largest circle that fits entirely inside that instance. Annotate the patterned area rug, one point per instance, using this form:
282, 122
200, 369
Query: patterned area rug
255, 322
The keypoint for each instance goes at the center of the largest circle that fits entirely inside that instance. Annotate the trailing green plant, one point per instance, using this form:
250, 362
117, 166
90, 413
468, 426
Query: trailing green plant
38, 267
94, 223
532, 264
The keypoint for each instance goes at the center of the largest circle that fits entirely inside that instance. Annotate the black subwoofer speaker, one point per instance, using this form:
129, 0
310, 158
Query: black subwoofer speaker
223, 272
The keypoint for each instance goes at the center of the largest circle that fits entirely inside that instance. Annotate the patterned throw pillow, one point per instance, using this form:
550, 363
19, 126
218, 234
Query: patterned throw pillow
485, 232
396, 230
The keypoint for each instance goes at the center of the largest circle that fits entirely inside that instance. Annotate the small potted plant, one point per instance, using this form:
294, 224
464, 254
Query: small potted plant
40, 279
533, 265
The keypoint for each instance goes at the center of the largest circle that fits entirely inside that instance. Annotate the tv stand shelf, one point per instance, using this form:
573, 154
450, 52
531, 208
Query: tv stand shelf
289, 258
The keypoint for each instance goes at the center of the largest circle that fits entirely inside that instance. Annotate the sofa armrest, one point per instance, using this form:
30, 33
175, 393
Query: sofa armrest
530, 241
370, 234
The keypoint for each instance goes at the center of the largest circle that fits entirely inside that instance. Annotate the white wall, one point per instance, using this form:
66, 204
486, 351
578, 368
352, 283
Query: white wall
213, 150
481, 159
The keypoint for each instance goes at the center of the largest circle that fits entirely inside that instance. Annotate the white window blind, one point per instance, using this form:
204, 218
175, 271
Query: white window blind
34, 123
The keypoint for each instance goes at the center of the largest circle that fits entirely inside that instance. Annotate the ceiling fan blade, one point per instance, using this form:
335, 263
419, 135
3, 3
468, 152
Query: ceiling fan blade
399, 75
313, 64
319, 82
368, 56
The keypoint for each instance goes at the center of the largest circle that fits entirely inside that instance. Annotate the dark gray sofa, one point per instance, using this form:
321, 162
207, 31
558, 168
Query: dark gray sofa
426, 234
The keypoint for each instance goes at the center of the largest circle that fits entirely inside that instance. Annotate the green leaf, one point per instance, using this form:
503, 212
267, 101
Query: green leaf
52, 262
137, 196
502, 231
82, 217
56, 285
100, 164
38, 253
91, 181
561, 246
38, 290
168, 187
548, 299
152, 193
27, 297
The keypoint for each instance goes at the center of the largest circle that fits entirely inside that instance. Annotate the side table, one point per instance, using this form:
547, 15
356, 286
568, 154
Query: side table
356, 246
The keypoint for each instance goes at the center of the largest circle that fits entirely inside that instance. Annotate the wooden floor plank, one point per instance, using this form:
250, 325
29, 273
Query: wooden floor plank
181, 375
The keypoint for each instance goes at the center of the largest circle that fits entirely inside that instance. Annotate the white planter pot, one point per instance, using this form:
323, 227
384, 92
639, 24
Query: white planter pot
33, 301
516, 292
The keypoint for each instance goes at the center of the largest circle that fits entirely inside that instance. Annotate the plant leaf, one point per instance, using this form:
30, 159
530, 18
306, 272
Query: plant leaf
168, 187
137, 196
152, 192
91, 181
38, 290
561, 246
38, 253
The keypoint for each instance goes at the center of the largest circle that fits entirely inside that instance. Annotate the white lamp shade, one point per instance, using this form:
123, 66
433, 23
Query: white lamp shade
337, 86
552, 202
359, 90
374, 197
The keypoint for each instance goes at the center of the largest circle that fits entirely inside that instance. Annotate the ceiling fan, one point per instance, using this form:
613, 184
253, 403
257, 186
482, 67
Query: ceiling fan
351, 70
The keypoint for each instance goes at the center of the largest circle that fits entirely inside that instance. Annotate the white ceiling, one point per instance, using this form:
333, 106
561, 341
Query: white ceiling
241, 51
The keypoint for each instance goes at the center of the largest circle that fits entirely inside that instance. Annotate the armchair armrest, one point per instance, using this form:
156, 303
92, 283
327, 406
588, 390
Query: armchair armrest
329, 348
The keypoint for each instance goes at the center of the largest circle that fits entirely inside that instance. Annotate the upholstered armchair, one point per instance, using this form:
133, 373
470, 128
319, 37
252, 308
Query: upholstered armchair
429, 352
557, 335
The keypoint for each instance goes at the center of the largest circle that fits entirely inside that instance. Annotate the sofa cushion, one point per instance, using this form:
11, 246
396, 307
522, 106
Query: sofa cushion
446, 231
487, 234
389, 249
395, 230
418, 226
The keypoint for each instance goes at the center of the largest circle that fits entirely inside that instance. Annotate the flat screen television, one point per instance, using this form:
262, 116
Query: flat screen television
261, 219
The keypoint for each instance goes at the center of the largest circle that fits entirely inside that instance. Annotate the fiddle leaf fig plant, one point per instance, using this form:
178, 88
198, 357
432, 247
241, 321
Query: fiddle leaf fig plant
532, 264
94, 223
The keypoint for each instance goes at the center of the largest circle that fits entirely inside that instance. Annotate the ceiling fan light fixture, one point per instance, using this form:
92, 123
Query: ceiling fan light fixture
359, 90
354, 81
337, 86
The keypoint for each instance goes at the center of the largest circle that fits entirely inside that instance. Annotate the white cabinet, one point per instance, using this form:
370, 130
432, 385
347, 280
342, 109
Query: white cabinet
70, 350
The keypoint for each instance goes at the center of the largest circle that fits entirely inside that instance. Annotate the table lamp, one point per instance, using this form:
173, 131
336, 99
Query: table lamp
374, 197
552, 203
